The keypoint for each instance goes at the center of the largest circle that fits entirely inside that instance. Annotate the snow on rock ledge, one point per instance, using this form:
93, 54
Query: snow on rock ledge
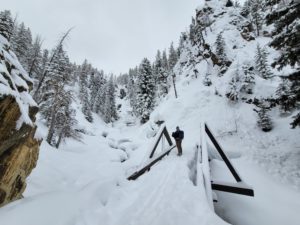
18, 147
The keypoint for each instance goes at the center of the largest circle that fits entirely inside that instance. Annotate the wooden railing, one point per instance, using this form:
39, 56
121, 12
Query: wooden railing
238, 188
163, 132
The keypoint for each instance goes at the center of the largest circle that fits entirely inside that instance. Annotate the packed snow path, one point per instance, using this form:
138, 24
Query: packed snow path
166, 195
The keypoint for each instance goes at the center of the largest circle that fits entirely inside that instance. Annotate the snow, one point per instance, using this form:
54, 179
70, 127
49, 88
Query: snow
84, 182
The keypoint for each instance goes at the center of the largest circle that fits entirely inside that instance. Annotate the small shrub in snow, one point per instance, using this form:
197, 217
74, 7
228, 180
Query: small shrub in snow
264, 121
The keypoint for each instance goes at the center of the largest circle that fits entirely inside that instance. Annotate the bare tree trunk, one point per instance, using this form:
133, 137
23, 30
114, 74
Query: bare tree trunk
59, 138
173, 78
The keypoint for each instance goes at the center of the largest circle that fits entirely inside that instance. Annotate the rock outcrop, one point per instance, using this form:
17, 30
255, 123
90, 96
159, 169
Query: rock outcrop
18, 147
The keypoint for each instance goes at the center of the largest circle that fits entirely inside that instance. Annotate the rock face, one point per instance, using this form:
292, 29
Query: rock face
18, 147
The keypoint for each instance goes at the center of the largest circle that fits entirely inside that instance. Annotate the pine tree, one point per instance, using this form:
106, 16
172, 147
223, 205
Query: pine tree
6, 24
220, 47
22, 44
161, 75
264, 121
286, 20
248, 79
83, 92
233, 93
286, 34
262, 62
145, 93
256, 8
110, 111
173, 57
165, 61
132, 90
54, 93
35, 58
286, 98
65, 119
97, 84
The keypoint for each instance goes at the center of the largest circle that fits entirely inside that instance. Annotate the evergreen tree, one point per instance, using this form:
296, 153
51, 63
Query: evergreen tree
161, 75
35, 58
296, 121
6, 24
110, 111
262, 62
256, 8
233, 93
286, 34
96, 85
264, 121
54, 93
146, 92
286, 20
173, 57
132, 90
65, 119
83, 92
248, 79
22, 44
220, 48
165, 61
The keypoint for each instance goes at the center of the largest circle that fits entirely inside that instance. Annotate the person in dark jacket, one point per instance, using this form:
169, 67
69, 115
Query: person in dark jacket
178, 135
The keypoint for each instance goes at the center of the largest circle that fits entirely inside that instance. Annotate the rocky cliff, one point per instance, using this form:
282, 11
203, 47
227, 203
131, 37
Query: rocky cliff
18, 147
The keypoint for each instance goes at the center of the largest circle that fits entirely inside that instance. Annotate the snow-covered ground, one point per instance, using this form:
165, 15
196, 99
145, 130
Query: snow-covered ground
85, 182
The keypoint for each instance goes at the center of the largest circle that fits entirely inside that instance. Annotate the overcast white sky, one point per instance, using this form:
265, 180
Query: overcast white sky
113, 35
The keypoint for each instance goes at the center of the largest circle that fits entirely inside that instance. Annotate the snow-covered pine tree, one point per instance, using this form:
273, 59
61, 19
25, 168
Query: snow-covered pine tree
54, 92
165, 61
257, 19
132, 90
248, 79
22, 44
220, 48
84, 91
65, 119
173, 57
261, 62
146, 91
264, 121
233, 93
161, 75
110, 110
283, 96
286, 20
221, 53
35, 58
6, 24
96, 84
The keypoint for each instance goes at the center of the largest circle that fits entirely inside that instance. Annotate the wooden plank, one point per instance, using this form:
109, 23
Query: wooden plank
140, 172
237, 189
163, 132
222, 154
155, 146
166, 133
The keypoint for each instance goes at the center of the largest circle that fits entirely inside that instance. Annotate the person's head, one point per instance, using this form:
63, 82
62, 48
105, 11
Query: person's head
177, 128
